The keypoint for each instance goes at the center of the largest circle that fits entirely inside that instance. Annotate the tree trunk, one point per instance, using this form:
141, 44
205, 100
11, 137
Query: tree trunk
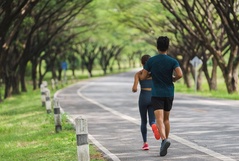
199, 80
105, 71
22, 71
213, 81
34, 73
8, 87
53, 71
89, 69
59, 74
15, 84
231, 80
73, 73
1, 100
119, 65
187, 69
235, 79
230, 72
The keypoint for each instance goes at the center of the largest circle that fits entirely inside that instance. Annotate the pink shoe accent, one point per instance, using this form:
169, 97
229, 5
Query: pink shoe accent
145, 147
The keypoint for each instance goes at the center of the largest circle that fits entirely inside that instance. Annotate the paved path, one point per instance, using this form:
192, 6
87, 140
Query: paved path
202, 129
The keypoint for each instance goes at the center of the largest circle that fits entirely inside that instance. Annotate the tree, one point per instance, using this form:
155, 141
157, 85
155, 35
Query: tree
88, 53
12, 14
106, 54
201, 21
26, 34
228, 12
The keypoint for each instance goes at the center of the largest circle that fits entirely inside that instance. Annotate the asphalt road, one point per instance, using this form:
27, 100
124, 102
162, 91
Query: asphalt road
202, 129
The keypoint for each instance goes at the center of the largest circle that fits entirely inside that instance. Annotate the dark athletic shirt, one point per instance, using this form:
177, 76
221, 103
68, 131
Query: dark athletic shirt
161, 67
146, 83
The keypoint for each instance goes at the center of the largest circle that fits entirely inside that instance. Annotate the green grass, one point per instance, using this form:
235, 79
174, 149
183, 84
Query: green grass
221, 92
28, 132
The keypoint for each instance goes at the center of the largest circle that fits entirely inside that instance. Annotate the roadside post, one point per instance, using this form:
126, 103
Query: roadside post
82, 139
45, 84
196, 62
53, 84
43, 95
57, 115
48, 100
56, 83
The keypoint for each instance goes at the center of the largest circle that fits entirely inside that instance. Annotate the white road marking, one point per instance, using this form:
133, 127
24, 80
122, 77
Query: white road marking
200, 148
133, 120
101, 147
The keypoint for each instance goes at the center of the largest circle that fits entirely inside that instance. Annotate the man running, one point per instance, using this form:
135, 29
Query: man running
164, 71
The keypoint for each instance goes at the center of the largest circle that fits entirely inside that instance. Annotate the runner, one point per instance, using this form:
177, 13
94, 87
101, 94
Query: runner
164, 71
145, 106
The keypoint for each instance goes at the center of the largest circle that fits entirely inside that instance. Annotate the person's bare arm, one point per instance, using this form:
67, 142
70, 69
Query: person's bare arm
177, 74
136, 81
143, 75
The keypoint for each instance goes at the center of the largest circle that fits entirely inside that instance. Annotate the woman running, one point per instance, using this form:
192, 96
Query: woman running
144, 103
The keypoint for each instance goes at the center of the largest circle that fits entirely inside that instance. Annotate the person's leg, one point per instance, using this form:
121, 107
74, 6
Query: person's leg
168, 102
143, 116
164, 128
166, 123
159, 104
167, 108
159, 115
143, 128
151, 115
152, 122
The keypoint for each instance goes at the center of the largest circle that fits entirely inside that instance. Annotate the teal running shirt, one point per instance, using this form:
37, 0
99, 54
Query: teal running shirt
161, 67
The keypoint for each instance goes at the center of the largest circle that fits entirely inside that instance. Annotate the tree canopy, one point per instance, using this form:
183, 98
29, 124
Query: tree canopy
40, 34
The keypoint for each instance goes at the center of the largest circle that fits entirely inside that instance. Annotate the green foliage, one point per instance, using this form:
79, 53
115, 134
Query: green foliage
28, 69
107, 26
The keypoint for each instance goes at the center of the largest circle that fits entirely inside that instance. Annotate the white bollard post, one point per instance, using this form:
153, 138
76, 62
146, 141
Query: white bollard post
48, 100
53, 84
57, 115
82, 139
43, 95
44, 83
56, 83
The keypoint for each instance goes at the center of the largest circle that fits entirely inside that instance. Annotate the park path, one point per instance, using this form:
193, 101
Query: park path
202, 129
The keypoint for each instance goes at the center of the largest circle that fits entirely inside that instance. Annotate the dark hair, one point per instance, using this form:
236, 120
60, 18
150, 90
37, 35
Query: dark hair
144, 59
162, 43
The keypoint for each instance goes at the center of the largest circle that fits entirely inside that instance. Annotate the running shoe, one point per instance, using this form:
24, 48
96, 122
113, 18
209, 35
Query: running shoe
145, 147
155, 131
164, 147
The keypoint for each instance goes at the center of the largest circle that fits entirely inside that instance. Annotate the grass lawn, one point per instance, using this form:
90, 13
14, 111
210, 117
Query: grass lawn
28, 132
221, 92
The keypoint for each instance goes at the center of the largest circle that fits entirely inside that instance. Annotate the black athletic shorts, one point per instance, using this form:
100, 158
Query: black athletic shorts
164, 103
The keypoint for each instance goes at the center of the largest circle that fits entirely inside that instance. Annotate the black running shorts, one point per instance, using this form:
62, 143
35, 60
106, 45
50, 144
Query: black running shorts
164, 103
